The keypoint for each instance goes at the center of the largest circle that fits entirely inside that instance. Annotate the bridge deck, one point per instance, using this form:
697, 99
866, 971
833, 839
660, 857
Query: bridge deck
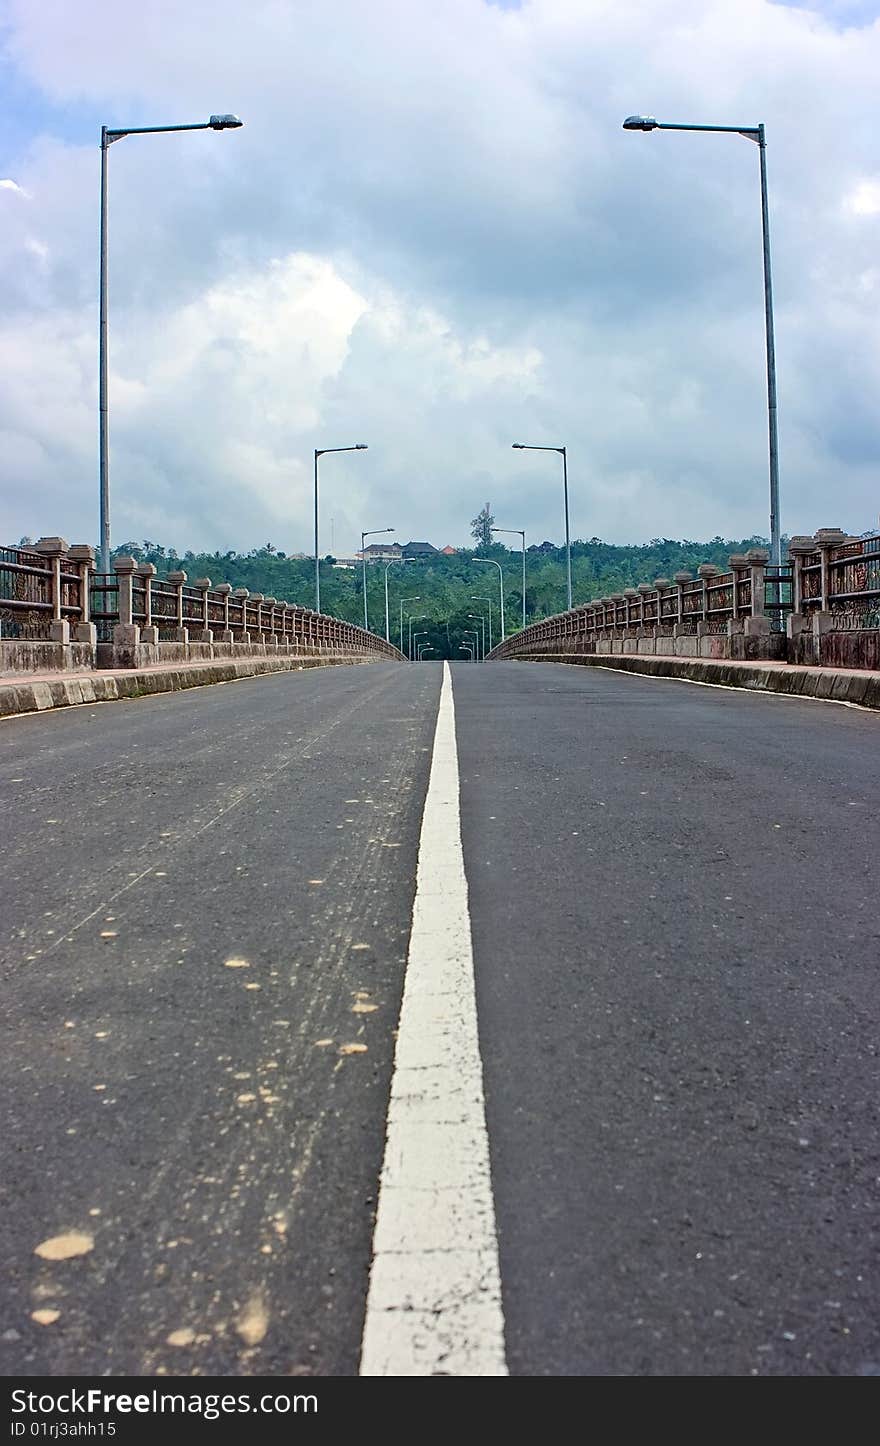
206, 912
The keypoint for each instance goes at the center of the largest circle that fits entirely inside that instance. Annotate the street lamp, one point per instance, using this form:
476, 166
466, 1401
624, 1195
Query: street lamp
478, 618
526, 447
422, 633
488, 602
373, 533
520, 532
756, 134
387, 565
108, 136
320, 452
423, 649
403, 600
472, 633
490, 562
466, 648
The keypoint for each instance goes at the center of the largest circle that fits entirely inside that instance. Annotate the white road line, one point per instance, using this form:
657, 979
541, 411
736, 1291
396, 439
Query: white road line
434, 1304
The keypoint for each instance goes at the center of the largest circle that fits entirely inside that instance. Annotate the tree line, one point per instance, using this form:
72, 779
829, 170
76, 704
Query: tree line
446, 587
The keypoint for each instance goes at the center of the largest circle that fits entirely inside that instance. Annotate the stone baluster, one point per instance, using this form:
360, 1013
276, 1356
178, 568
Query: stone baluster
205, 633
224, 589
827, 538
55, 548
257, 597
147, 571
680, 578
242, 594
757, 624
83, 557
177, 580
269, 602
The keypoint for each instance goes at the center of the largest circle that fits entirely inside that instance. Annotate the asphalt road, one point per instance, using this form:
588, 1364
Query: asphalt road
677, 947
201, 1121
205, 902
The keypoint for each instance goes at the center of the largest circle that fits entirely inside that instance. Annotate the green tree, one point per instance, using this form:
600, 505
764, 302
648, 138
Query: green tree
481, 527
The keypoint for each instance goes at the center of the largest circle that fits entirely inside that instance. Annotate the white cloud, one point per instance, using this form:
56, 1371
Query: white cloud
864, 199
433, 235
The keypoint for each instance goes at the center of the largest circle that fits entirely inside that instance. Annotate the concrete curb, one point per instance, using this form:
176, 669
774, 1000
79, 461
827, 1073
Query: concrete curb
67, 691
838, 685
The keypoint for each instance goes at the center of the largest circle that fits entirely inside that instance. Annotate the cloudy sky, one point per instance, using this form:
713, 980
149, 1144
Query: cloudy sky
432, 235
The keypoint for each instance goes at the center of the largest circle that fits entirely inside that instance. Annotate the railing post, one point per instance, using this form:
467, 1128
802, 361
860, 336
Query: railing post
224, 589
643, 589
257, 597
680, 578
826, 538
177, 579
738, 563
147, 571
757, 624
84, 557
126, 633
54, 548
706, 570
125, 567
205, 634
269, 602
242, 594
799, 548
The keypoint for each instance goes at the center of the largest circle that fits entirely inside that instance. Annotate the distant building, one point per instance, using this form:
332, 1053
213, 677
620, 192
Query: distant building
419, 549
448, 551
381, 552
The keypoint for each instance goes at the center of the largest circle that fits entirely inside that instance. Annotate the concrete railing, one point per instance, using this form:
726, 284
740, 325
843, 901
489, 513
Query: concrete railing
56, 612
822, 607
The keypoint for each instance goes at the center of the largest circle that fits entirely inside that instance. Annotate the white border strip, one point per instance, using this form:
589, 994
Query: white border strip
434, 1303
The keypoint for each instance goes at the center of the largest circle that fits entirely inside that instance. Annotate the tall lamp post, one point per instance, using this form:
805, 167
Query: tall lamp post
563, 452
490, 562
387, 565
488, 602
403, 600
423, 649
756, 134
414, 637
321, 452
109, 134
478, 618
466, 648
472, 633
373, 533
520, 532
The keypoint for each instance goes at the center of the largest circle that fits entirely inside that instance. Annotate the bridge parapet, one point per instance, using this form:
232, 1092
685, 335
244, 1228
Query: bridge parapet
57, 612
821, 607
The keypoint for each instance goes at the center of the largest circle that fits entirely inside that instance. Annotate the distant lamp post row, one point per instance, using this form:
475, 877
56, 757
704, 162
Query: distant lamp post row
520, 532
373, 533
416, 598
478, 618
527, 447
109, 134
490, 562
488, 602
756, 134
321, 452
392, 563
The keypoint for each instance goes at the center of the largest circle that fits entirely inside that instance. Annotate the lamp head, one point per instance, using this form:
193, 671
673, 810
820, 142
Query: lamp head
225, 122
640, 123
518, 446
360, 447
